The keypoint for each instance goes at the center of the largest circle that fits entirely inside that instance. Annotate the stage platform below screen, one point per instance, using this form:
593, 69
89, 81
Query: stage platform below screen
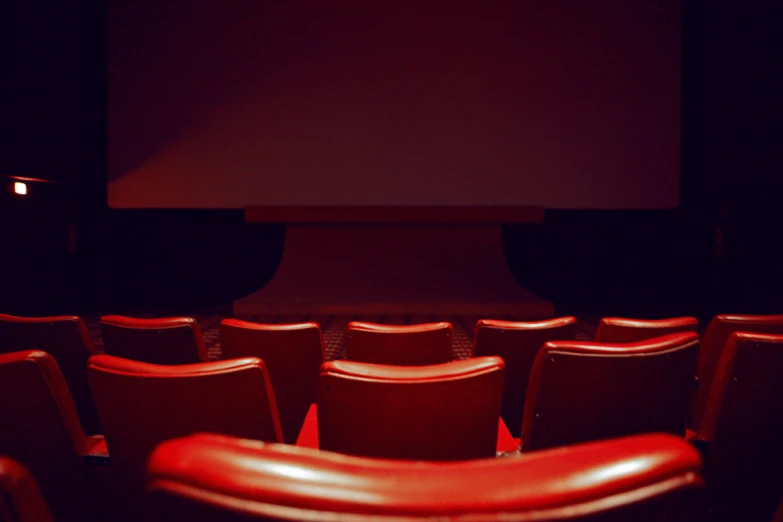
384, 268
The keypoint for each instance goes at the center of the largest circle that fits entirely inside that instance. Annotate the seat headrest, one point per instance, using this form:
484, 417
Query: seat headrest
249, 325
156, 323
526, 325
399, 329
433, 372
263, 478
655, 345
119, 365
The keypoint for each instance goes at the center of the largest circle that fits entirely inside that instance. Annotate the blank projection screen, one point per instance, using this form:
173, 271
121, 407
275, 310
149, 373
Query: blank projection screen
228, 103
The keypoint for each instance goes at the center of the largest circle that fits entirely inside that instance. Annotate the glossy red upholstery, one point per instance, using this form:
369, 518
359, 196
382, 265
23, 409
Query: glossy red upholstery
622, 330
715, 338
445, 411
66, 338
169, 340
293, 354
582, 391
20, 498
518, 343
743, 422
143, 404
208, 478
400, 345
39, 428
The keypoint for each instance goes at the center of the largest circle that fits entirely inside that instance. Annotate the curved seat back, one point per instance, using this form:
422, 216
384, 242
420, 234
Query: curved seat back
624, 330
715, 338
444, 411
209, 478
582, 391
743, 421
168, 340
293, 354
20, 498
517, 343
399, 345
64, 337
39, 427
143, 404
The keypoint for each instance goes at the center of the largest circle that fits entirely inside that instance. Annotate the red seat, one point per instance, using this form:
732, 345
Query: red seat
143, 404
622, 330
64, 337
743, 424
209, 478
445, 411
582, 391
20, 498
293, 354
169, 340
41, 430
715, 338
400, 345
518, 343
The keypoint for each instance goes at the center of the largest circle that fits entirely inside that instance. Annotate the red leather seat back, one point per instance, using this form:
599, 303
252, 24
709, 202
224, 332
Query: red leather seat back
208, 478
293, 354
20, 498
743, 421
66, 338
715, 338
170, 340
623, 330
143, 404
39, 428
409, 345
445, 411
518, 343
581, 391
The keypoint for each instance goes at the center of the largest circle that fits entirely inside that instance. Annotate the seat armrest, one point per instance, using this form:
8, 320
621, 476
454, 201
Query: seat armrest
308, 436
507, 445
701, 444
96, 452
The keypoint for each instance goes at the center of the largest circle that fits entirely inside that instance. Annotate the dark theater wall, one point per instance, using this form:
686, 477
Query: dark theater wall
43, 136
718, 252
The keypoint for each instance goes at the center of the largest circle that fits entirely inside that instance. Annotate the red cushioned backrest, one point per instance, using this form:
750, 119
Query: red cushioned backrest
408, 345
518, 343
440, 412
39, 427
207, 478
293, 354
715, 338
20, 498
623, 330
581, 391
168, 340
744, 422
143, 404
66, 338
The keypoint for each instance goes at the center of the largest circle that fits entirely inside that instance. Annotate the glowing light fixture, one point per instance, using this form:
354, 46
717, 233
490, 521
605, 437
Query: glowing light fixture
20, 188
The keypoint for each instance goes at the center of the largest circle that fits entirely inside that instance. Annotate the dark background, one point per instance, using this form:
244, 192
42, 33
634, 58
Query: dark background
63, 251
